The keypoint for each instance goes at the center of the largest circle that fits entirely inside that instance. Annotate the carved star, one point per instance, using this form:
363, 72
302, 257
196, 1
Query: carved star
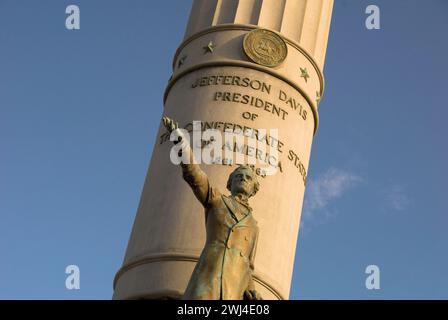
182, 61
304, 74
318, 97
209, 48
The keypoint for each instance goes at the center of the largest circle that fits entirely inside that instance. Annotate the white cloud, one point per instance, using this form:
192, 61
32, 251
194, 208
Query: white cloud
325, 189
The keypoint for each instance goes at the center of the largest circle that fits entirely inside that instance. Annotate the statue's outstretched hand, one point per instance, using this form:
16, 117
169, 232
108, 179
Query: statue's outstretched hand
179, 136
170, 124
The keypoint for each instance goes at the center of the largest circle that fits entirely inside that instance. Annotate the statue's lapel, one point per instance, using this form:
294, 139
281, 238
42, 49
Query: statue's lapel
230, 204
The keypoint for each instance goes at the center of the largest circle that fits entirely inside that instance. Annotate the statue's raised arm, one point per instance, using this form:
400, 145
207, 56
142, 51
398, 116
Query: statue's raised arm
191, 172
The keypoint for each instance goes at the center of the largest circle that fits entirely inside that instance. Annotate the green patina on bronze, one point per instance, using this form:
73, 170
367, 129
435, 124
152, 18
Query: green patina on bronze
226, 265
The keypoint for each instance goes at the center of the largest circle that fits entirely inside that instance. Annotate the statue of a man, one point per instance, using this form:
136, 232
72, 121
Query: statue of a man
226, 265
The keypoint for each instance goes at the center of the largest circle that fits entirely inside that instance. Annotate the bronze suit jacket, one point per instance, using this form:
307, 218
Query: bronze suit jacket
225, 267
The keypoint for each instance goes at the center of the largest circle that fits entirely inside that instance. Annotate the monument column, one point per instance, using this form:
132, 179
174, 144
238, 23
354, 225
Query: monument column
244, 65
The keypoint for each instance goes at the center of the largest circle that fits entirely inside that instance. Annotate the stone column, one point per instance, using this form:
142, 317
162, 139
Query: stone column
217, 81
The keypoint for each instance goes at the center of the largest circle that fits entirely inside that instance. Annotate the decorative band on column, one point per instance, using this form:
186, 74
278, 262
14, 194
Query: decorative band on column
160, 257
246, 27
157, 257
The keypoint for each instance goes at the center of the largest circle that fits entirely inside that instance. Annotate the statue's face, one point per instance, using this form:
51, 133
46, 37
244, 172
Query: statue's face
243, 181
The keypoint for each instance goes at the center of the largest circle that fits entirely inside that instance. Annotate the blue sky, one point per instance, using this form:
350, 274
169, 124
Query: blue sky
79, 112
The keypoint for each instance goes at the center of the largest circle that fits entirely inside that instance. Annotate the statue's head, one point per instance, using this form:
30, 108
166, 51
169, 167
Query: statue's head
243, 180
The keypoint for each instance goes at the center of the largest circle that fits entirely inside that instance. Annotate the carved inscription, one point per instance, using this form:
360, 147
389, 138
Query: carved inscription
280, 105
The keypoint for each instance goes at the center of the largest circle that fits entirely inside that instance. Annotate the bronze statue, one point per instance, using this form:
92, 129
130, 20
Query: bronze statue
226, 265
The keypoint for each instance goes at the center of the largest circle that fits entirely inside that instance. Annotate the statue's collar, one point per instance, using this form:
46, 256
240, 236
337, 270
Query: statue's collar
242, 200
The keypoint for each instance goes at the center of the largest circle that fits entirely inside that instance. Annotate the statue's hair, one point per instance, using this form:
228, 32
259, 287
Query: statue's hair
242, 167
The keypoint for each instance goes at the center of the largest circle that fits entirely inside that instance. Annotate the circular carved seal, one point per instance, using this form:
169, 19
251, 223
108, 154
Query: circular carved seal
265, 47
